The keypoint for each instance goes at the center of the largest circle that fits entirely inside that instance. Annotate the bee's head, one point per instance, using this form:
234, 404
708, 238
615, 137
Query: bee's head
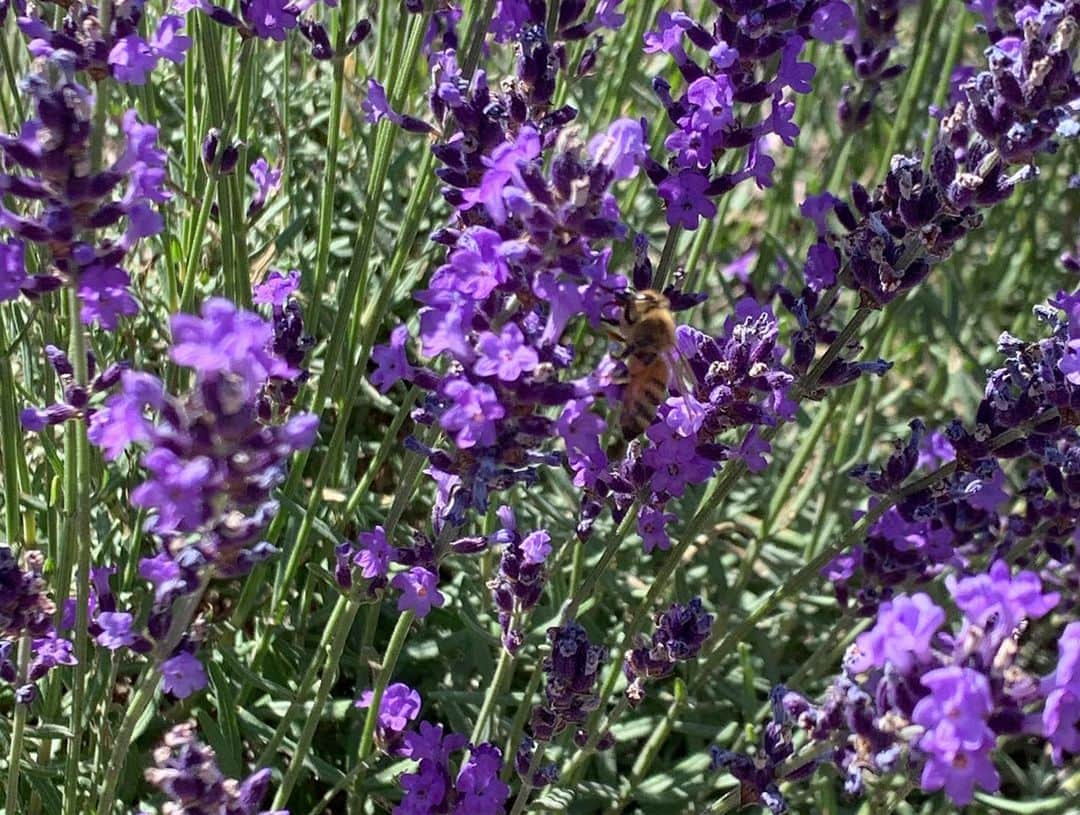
639, 303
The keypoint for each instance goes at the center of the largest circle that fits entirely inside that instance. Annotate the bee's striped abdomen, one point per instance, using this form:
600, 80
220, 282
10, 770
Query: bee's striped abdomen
645, 390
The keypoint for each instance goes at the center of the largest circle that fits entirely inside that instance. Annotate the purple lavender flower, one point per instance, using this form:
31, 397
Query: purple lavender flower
375, 553
419, 589
186, 771
902, 636
277, 288
267, 181
957, 740
572, 670
433, 786
183, 675
472, 414
393, 364
1061, 715
1001, 599
400, 705
116, 630
680, 633
685, 197
505, 355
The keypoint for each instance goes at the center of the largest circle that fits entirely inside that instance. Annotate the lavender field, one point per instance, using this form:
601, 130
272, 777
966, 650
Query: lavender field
488, 407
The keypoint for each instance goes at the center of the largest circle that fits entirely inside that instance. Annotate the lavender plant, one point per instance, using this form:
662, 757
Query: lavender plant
413, 408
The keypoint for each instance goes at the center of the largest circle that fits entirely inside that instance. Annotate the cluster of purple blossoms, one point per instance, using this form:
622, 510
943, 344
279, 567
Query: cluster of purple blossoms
52, 153
1032, 400
400, 705
680, 633
868, 47
527, 256
734, 380
434, 788
915, 696
572, 669
211, 464
1021, 105
290, 343
121, 52
274, 19
518, 585
751, 56
186, 771
27, 611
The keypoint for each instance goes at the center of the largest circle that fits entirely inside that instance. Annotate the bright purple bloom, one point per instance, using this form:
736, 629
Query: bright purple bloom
833, 21
792, 73
375, 553
999, 597
12, 268
502, 168
472, 414
131, 59
183, 675
481, 790
957, 741
620, 148
105, 297
1061, 714
675, 461
821, 266
267, 181
393, 364
712, 97
376, 106
116, 630
752, 451
167, 42
400, 705
686, 200
505, 355
476, 267
902, 634
651, 526
419, 589
277, 288
121, 421
227, 340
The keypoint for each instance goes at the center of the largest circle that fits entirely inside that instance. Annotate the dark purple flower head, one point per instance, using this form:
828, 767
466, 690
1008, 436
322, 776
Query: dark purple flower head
435, 787
680, 633
572, 670
186, 771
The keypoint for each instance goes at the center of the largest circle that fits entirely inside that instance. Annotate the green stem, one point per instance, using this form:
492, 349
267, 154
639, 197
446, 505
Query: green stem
667, 257
526, 786
386, 670
504, 669
10, 443
517, 726
326, 684
17, 729
333, 141
145, 690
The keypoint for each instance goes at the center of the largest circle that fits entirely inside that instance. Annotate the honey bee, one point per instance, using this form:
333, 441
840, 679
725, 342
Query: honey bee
646, 330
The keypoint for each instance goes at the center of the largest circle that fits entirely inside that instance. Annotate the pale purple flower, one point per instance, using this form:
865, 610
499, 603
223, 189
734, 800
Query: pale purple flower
419, 589
375, 553
1002, 598
167, 42
131, 59
901, 636
651, 525
12, 268
103, 291
833, 21
505, 355
536, 546
620, 148
1061, 713
277, 288
267, 181
472, 414
376, 106
116, 630
121, 421
183, 675
391, 361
